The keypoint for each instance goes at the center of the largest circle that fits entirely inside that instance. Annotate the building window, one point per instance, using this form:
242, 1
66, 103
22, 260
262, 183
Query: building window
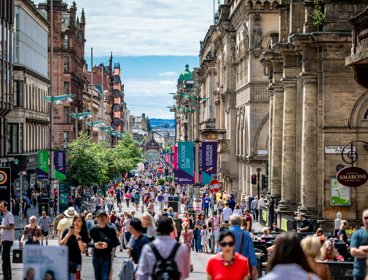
66, 64
66, 42
66, 87
365, 115
13, 138
18, 93
66, 114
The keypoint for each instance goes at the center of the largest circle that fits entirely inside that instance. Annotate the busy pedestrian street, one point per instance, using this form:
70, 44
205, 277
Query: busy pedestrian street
199, 260
173, 140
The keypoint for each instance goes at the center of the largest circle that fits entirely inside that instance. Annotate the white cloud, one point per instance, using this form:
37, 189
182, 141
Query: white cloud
168, 73
149, 96
146, 27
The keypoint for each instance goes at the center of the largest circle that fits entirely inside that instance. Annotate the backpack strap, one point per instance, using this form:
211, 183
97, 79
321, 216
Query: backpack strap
155, 251
173, 252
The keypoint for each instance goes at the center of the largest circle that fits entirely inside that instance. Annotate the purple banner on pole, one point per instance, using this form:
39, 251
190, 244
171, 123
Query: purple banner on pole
180, 177
60, 165
208, 161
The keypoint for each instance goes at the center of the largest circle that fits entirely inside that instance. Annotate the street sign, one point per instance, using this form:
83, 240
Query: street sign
197, 205
214, 186
352, 176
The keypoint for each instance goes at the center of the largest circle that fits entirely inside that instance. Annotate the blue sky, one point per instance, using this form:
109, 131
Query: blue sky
148, 81
152, 40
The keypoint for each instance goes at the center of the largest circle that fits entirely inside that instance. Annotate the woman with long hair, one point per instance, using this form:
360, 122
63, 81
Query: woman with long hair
288, 261
187, 238
76, 238
311, 247
227, 265
148, 225
329, 253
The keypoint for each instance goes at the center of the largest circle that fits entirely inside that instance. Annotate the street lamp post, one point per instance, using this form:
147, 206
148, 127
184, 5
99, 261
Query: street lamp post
258, 187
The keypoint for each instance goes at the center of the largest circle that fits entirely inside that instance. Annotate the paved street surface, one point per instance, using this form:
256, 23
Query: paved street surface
199, 260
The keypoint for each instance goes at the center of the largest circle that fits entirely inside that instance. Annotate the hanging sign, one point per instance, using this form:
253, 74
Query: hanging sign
352, 176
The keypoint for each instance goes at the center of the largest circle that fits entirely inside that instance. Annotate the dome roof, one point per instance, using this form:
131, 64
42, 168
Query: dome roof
186, 75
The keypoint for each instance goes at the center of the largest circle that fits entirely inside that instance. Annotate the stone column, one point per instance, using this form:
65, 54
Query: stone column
309, 168
237, 132
277, 129
288, 178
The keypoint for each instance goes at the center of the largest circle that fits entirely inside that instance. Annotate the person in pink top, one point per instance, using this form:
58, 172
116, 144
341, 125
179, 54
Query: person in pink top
186, 239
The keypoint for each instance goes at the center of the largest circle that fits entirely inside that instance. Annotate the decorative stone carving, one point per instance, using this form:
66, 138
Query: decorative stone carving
257, 31
245, 34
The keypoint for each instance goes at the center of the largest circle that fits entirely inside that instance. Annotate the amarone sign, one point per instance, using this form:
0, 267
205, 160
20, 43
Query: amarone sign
352, 176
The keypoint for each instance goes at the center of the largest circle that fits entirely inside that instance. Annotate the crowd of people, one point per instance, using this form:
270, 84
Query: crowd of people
136, 215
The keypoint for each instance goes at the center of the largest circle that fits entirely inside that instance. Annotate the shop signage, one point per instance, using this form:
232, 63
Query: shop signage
340, 194
352, 176
5, 184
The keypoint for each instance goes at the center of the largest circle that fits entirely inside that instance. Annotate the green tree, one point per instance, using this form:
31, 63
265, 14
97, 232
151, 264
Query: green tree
89, 163
85, 164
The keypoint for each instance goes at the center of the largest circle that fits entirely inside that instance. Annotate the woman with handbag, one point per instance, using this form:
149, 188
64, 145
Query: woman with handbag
32, 233
76, 238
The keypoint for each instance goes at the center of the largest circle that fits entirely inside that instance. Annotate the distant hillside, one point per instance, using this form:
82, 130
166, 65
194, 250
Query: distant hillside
162, 123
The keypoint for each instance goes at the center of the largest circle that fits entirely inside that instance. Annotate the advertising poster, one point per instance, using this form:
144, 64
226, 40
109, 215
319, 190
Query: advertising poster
60, 165
209, 161
284, 224
63, 196
43, 165
45, 262
340, 194
185, 172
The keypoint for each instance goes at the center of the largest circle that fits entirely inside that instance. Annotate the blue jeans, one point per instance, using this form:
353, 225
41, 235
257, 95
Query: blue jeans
102, 267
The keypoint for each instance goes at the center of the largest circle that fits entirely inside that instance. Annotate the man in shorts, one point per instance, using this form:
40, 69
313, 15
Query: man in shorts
45, 224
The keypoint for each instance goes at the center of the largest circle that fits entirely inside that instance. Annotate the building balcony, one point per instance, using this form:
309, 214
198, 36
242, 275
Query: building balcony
359, 51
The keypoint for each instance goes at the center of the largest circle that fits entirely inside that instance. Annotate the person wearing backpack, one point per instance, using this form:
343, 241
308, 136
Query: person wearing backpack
164, 258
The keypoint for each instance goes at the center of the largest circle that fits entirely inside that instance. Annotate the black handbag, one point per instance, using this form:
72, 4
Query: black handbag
17, 255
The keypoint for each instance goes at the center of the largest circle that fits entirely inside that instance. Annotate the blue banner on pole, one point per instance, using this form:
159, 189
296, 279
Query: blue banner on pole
185, 172
209, 161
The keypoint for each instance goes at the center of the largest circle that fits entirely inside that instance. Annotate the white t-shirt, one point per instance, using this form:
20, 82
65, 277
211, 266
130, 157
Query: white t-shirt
261, 203
8, 234
227, 212
166, 197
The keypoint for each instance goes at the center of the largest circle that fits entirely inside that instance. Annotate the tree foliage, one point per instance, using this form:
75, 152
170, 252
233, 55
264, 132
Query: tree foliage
319, 16
90, 163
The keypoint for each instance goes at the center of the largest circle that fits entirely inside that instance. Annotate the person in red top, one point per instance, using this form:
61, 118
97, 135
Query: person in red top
227, 265
248, 220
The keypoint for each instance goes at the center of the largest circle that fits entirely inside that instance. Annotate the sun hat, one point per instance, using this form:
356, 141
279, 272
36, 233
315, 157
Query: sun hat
70, 212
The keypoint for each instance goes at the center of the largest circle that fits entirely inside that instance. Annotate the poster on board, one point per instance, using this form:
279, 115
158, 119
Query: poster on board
340, 194
45, 262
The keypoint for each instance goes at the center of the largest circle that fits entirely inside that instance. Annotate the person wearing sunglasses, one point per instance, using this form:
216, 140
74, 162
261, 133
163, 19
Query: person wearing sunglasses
227, 265
359, 248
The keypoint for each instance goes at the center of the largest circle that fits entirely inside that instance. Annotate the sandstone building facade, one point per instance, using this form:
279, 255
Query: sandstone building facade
277, 97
